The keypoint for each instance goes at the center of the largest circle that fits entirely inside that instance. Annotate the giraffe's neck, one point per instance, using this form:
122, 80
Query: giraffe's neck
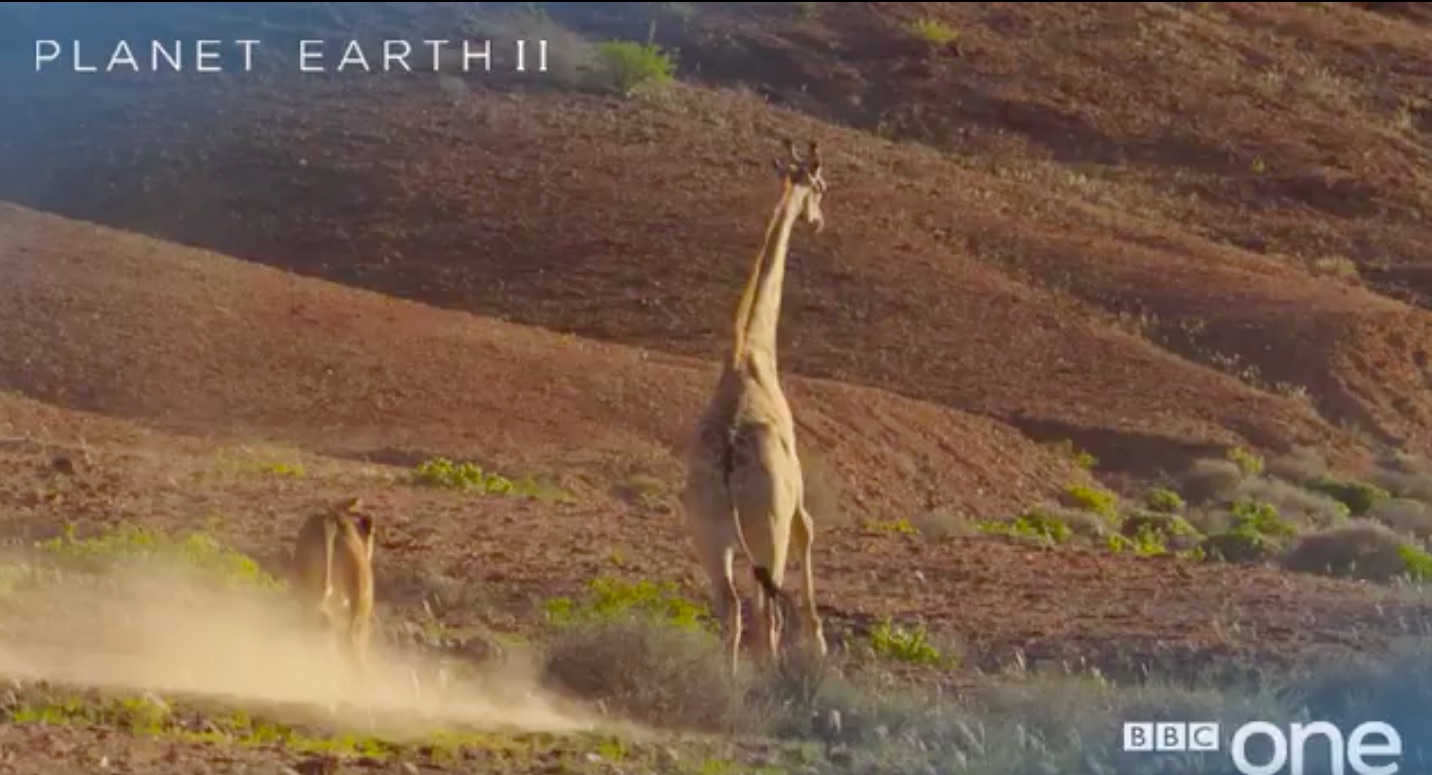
760, 311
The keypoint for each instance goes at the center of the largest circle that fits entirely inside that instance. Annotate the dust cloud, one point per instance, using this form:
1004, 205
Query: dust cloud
150, 629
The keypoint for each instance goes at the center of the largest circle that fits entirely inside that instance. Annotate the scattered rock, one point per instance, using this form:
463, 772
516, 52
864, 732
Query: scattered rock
62, 464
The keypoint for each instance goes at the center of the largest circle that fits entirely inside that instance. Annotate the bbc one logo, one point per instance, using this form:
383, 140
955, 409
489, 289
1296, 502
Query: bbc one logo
1365, 751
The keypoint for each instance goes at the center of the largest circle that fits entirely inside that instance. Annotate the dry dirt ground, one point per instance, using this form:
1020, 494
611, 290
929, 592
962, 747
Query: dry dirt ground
1155, 230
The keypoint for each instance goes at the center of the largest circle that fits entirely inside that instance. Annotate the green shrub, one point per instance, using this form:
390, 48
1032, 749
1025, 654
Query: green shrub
609, 599
1092, 499
1251, 517
197, 551
1417, 562
1033, 524
911, 646
1151, 533
933, 32
1248, 462
1359, 497
1257, 533
1164, 501
469, 477
627, 65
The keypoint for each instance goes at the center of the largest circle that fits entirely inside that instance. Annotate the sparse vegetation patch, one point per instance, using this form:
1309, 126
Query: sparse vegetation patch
1164, 501
933, 33
1359, 497
1363, 550
1034, 525
626, 66
199, 552
1092, 499
470, 477
610, 599
909, 645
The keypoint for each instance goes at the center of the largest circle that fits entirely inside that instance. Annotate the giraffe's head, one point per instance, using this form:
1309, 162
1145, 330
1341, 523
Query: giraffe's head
803, 179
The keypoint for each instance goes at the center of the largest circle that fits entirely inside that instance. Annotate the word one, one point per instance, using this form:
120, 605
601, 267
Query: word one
1369, 739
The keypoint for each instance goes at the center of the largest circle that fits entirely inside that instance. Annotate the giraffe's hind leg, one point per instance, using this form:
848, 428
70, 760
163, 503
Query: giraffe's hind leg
803, 540
710, 521
766, 492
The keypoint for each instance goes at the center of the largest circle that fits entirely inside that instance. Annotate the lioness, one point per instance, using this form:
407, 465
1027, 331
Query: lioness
337, 545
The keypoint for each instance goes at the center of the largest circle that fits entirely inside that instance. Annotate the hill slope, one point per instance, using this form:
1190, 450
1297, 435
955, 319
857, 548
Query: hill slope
1068, 295
124, 325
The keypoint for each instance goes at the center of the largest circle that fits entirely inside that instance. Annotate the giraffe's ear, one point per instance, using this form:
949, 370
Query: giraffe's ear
781, 168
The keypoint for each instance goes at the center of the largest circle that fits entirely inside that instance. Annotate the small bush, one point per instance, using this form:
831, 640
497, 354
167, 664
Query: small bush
1359, 497
1092, 499
1251, 516
1249, 463
294, 470
1032, 525
1081, 524
1209, 520
1417, 561
469, 477
1300, 466
644, 670
1408, 477
641, 649
608, 599
197, 551
627, 65
1164, 501
1257, 533
1238, 548
1363, 550
1294, 503
933, 32
1209, 480
1404, 516
944, 523
1152, 533
901, 526
1145, 544
911, 646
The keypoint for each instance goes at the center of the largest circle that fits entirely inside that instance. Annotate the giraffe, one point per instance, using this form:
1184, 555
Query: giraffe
744, 486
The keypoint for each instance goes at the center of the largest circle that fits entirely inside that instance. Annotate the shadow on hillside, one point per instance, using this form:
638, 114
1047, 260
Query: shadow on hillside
1140, 455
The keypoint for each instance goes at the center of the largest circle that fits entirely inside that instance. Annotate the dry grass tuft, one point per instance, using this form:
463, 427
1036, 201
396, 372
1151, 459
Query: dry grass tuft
649, 673
1362, 550
1210, 480
1406, 516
